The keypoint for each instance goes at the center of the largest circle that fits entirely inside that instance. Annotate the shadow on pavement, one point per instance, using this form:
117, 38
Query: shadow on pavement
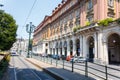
26, 74
63, 74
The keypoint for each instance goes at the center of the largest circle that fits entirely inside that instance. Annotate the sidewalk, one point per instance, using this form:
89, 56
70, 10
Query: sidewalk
58, 73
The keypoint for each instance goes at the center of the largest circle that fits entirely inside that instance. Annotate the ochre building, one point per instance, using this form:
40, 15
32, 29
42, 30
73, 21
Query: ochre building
75, 28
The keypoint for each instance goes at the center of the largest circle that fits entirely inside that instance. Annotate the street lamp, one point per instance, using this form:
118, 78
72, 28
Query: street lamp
1, 5
29, 29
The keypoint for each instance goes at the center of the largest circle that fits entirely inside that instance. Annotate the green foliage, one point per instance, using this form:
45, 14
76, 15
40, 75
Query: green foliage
74, 29
87, 23
78, 27
105, 22
4, 64
8, 30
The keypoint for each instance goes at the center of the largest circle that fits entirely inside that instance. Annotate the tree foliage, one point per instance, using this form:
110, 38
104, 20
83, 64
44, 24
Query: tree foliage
8, 30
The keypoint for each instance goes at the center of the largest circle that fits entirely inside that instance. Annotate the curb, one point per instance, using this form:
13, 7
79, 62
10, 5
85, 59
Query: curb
54, 75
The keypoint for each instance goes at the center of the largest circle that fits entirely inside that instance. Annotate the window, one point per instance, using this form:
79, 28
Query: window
111, 15
90, 4
90, 18
111, 3
70, 16
65, 27
77, 13
46, 44
77, 21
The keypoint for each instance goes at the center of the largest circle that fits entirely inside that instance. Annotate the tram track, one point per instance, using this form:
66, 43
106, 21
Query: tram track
30, 69
20, 69
13, 62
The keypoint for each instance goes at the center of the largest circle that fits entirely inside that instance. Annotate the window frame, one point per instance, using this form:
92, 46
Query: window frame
111, 3
90, 5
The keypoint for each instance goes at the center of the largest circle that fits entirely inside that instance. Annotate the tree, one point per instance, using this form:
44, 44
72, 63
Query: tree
8, 30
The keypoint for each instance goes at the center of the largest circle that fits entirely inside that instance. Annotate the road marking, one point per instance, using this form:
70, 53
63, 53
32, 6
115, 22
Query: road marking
36, 75
14, 68
30, 69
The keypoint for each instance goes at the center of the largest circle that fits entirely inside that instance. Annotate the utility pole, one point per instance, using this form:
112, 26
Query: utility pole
30, 30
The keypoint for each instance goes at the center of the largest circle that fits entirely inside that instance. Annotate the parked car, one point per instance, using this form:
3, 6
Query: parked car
68, 58
56, 56
44, 55
78, 59
14, 54
63, 57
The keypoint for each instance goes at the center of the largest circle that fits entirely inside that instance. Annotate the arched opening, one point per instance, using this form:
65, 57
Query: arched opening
78, 47
60, 48
71, 48
65, 48
56, 48
114, 48
53, 51
91, 49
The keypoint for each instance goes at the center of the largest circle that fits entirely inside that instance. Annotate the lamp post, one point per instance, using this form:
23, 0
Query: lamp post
1, 5
29, 29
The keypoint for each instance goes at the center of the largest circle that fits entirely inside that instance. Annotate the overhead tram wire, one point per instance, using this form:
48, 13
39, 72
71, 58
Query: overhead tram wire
29, 12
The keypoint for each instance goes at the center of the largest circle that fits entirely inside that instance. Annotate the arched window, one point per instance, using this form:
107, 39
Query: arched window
90, 5
111, 3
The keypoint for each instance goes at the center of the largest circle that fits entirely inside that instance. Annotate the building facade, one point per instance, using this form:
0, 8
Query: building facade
20, 46
73, 29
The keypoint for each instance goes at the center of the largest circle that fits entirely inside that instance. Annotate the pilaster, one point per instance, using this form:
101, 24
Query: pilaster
74, 46
68, 46
81, 45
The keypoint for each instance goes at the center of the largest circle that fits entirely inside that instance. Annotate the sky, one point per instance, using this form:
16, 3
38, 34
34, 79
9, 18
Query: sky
20, 10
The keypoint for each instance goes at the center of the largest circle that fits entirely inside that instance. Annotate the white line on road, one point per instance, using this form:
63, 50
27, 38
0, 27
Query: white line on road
36, 75
30, 69
14, 68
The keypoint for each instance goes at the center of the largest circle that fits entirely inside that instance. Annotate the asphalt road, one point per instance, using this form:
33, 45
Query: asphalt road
20, 69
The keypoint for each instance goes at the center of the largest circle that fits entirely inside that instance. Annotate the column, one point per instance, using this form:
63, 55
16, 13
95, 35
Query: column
105, 53
95, 46
85, 48
63, 51
81, 45
49, 48
68, 47
74, 46
58, 47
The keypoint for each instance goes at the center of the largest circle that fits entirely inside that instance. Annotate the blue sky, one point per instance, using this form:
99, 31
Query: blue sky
19, 9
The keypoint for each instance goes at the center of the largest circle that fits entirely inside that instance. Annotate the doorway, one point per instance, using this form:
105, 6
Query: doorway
114, 49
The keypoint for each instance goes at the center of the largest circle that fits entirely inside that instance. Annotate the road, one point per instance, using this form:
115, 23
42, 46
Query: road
20, 69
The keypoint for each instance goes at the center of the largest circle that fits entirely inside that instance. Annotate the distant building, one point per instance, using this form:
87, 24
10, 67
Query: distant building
20, 46
73, 29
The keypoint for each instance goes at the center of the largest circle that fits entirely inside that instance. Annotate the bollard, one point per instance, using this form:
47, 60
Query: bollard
47, 59
86, 69
51, 61
44, 59
106, 72
63, 64
56, 62
72, 66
